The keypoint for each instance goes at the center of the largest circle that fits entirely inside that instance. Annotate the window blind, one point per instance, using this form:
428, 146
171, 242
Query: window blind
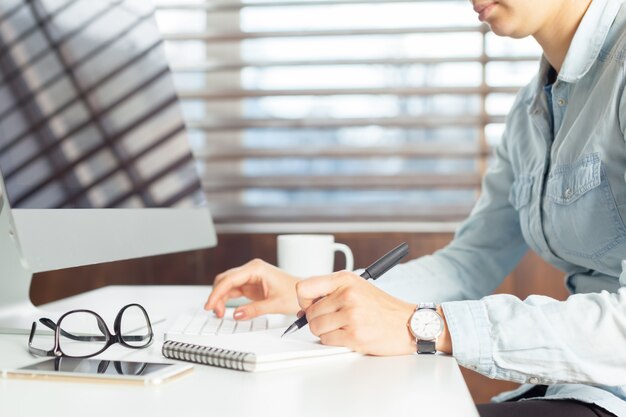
341, 110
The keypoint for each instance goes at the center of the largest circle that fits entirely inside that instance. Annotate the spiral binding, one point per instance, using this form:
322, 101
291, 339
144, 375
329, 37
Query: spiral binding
205, 355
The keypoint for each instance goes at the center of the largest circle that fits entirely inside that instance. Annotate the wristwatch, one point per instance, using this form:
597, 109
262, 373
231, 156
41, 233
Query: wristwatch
426, 326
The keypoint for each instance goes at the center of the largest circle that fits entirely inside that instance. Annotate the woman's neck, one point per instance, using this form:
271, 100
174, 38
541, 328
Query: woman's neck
556, 35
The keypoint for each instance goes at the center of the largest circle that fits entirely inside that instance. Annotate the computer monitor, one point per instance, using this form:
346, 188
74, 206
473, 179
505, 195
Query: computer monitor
89, 116
96, 162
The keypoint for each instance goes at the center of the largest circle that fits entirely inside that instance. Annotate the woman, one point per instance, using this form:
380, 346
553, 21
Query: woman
557, 187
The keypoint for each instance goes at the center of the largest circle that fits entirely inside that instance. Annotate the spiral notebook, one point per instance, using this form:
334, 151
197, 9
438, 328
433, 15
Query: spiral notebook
255, 351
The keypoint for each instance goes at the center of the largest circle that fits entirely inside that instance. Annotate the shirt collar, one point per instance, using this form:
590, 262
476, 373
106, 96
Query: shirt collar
584, 49
588, 39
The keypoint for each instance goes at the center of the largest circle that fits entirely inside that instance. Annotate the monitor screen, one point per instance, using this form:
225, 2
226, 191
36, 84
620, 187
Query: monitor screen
89, 116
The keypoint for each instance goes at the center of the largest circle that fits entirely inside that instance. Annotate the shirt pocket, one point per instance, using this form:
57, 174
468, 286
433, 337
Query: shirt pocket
581, 216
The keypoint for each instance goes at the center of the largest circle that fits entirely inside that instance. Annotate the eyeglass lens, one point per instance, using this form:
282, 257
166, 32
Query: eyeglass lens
82, 334
135, 328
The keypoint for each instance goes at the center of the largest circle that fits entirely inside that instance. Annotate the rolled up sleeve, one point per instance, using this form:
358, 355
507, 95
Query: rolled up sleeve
468, 326
542, 340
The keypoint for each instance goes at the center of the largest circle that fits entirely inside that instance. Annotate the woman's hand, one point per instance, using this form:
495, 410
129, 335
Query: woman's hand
271, 289
356, 314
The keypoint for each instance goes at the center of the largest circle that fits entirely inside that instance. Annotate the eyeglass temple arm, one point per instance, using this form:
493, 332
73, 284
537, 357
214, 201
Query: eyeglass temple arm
40, 352
34, 350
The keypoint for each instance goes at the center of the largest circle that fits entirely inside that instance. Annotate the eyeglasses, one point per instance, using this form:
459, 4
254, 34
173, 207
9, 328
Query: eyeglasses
83, 333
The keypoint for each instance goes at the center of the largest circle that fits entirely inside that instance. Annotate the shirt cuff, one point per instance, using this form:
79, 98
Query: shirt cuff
468, 326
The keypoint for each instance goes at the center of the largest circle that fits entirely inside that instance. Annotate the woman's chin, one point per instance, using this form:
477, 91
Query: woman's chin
505, 30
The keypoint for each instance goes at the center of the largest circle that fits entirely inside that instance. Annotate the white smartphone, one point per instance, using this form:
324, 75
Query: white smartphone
98, 370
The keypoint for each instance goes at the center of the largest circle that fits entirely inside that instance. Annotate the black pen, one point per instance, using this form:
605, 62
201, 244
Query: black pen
374, 271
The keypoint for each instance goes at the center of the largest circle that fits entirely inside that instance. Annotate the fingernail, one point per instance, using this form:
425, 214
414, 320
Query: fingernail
239, 315
300, 314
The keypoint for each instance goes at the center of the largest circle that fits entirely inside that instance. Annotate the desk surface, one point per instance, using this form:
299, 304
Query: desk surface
349, 386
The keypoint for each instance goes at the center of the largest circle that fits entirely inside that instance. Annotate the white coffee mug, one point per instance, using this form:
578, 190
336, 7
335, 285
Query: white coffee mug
308, 255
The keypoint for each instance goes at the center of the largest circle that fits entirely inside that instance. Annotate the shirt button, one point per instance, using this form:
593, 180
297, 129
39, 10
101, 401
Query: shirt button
561, 102
568, 193
534, 380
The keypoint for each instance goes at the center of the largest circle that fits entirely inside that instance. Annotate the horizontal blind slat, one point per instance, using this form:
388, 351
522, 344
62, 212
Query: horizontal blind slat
401, 181
396, 91
210, 37
236, 213
216, 66
224, 153
331, 123
235, 6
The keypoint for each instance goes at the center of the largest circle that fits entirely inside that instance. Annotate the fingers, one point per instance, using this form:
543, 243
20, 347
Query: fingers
339, 337
228, 283
311, 289
345, 328
254, 309
325, 305
220, 305
328, 323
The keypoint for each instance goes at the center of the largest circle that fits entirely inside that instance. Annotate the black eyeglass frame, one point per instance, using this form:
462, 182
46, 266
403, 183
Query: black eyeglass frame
108, 337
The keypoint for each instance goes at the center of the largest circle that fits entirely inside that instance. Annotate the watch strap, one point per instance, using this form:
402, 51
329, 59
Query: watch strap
426, 346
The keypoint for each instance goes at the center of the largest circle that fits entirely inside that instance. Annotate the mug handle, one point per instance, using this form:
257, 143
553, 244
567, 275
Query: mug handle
340, 247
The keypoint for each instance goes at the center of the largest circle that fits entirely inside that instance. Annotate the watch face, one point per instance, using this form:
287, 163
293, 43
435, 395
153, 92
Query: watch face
426, 324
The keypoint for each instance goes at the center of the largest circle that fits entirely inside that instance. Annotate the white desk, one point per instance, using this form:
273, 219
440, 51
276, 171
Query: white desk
349, 386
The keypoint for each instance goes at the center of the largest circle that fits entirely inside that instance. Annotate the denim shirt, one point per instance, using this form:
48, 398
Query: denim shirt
560, 190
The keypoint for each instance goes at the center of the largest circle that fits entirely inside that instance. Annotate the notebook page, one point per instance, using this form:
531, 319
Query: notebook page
268, 346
